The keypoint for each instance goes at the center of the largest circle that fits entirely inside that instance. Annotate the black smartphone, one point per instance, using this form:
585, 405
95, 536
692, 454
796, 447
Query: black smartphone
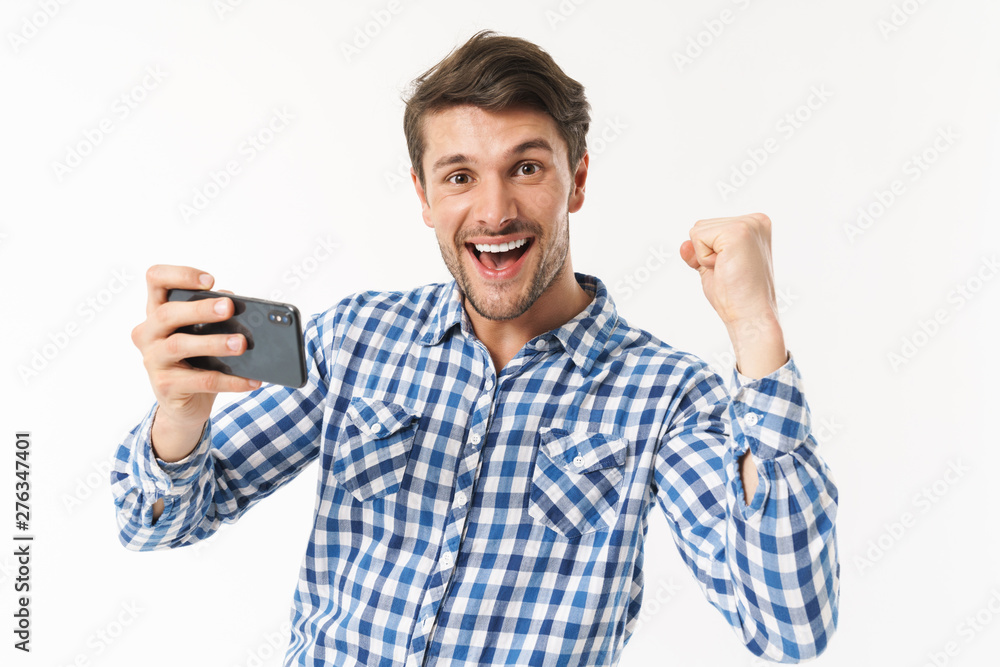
275, 350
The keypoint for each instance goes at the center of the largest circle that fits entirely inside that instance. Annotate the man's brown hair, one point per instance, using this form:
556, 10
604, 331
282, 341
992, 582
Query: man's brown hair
496, 72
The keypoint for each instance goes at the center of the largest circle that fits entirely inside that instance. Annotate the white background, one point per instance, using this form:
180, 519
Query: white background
74, 244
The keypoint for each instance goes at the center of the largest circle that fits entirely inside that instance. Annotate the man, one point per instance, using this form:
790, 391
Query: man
490, 448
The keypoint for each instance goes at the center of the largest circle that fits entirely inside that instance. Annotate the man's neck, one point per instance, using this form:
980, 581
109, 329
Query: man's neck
561, 302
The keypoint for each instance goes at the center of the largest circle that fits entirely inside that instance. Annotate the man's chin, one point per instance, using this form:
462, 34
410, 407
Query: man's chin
507, 305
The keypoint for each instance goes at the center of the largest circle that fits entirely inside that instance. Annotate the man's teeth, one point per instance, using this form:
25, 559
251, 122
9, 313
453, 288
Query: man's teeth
502, 247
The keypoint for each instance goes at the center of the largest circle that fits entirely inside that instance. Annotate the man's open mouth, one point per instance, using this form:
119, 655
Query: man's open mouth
499, 256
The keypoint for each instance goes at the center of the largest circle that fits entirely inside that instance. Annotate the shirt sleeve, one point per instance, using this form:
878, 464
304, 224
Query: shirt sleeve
771, 565
247, 451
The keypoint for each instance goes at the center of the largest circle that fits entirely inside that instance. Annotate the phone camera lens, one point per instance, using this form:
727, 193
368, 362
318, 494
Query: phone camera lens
279, 318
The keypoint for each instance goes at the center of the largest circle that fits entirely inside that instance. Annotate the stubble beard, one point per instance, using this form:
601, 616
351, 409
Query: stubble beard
493, 302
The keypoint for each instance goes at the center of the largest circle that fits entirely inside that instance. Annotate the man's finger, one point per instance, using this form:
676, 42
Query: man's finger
183, 346
197, 381
704, 251
175, 314
162, 277
687, 254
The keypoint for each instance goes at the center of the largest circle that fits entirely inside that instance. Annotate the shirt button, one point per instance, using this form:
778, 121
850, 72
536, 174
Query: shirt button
578, 461
427, 623
541, 344
750, 419
376, 428
446, 560
461, 499
474, 438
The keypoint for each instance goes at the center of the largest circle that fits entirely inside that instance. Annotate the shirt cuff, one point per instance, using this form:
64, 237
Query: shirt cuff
162, 479
769, 415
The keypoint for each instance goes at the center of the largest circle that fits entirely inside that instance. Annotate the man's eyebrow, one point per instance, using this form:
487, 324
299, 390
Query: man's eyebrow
529, 145
523, 147
449, 160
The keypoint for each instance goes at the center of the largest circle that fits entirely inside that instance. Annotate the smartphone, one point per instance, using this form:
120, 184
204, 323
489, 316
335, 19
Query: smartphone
275, 350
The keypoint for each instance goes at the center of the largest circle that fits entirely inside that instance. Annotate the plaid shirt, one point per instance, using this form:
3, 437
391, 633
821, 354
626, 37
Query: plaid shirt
467, 516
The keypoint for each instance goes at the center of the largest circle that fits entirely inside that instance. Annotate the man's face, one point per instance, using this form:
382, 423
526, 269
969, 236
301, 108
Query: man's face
498, 194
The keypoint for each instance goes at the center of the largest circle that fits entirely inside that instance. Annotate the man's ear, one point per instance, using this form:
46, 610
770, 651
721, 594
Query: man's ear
424, 206
579, 184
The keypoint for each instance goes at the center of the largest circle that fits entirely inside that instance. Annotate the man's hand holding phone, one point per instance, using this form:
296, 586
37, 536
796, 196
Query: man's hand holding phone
184, 394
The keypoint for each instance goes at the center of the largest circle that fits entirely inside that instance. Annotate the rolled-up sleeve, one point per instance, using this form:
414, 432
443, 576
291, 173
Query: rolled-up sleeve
769, 565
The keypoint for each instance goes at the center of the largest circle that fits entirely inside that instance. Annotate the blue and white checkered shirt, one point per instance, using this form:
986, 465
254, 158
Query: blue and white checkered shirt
473, 517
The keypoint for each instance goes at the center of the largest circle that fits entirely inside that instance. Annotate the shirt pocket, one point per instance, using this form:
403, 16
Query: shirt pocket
374, 449
577, 481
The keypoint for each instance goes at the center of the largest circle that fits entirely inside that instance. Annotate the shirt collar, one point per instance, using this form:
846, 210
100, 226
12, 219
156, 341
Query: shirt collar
584, 337
588, 334
447, 312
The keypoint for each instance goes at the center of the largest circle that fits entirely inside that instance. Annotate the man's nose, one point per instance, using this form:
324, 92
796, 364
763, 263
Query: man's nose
495, 203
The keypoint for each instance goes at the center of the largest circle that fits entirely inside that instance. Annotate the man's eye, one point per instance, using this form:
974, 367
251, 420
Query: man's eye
459, 179
527, 169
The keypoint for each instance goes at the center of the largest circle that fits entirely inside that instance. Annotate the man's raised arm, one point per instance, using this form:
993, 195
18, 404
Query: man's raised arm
752, 506
179, 474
